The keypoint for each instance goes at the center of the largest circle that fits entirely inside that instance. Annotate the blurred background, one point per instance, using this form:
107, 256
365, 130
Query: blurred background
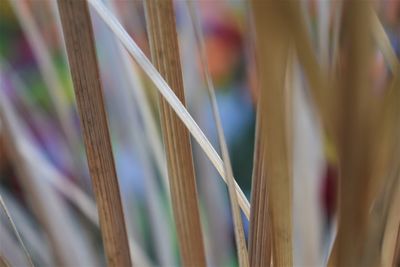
38, 100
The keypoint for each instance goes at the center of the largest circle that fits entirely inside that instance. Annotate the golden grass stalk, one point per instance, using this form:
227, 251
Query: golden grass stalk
144, 108
147, 145
238, 225
356, 137
273, 48
15, 230
260, 239
313, 72
336, 26
382, 220
391, 222
396, 258
78, 34
160, 20
169, 96
390, 194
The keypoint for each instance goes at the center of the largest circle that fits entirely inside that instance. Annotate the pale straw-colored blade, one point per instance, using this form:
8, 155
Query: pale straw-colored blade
15, 230
237, 219
168, 94
275, 220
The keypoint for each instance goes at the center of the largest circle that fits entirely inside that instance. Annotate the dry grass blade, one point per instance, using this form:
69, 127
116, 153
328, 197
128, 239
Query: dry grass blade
335, 36
47, 206
390, 194
260, 241
323, 20
75, 195
238, 225
383, 41
33, 239
78, 34
51, 78
160, 20
273, 48
11, 253
389, 235
396, 258
14, 228
357, 139
144, 144
217, 236
4, 262
315, 76
144, 109
169, 95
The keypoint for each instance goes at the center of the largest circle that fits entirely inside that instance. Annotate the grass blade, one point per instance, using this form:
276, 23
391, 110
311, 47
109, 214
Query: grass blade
11, 253
217, 236
383, 42
56, 179
34, 241
160, 20
144, 108
126, 80
15, 230
46, 204
78, 34
169, 95
238, 225
51, 78
357, 138
273, 48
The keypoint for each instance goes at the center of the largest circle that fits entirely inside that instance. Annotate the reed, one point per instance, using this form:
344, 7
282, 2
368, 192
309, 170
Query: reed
237, 219
275, 137
396, 257
163, 40
138, 93
78, 34
389, 195
332, 85
260, 239
147, 145
355, 136
169, 96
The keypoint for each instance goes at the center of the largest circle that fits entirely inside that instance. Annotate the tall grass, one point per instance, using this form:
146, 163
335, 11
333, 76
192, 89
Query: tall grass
313, 82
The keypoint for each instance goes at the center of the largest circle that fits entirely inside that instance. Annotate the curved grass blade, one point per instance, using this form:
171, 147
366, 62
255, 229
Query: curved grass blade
170, 97
238, 225
16, 232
